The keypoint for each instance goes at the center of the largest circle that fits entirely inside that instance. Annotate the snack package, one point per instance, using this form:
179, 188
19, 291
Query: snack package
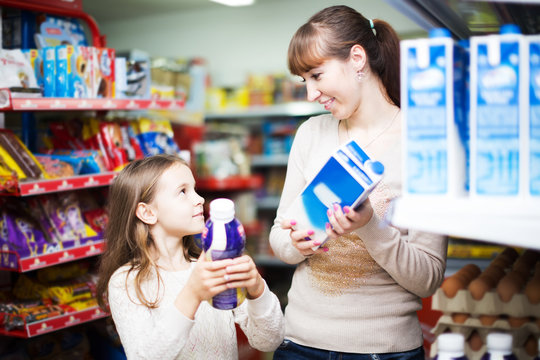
17, 156
35, 57
157, 137
103, 72
16, 71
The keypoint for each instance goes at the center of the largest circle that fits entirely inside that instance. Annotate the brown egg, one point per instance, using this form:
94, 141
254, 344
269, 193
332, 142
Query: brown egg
470, 272
506, 258
509, 285
494, 272
452, 285
479, 286
516, 322
532, 290
475, 341
460, 318
488, 320
531, 346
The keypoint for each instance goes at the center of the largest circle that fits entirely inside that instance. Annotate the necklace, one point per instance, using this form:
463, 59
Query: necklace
376, 136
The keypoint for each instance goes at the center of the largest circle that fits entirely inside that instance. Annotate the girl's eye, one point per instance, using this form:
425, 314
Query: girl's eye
316, 76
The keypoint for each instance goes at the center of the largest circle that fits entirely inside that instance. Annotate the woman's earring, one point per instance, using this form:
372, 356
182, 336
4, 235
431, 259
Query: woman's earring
360, 75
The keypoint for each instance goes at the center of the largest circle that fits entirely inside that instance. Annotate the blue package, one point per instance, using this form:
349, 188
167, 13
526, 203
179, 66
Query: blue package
347, 178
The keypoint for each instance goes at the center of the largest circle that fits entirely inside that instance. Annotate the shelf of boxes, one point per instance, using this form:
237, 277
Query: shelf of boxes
11, 260
10, 103
55, 323
38, 187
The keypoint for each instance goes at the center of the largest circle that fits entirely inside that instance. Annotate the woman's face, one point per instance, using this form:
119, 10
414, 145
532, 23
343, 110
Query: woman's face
334, 85
179, 207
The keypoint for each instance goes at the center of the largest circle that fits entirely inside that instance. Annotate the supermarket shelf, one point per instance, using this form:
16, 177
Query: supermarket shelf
56, 323
12, 262
231, 183
510, 222
10, 103
462, 18
35, 187
297, 108
269, 160
268, 203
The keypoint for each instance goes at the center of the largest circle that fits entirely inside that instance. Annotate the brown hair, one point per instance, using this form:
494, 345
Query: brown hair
127, 239
332, 32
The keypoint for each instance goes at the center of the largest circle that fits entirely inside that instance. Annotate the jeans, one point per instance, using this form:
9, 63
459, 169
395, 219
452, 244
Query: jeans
290, 350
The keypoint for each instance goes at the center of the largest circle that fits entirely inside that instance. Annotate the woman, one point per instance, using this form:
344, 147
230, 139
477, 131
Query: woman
357, 295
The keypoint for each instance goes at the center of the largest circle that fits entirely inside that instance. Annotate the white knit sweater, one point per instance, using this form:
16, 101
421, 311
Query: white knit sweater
362, 295
165, 333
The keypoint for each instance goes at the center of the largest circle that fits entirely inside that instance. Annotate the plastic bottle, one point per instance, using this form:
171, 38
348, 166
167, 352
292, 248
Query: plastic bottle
499, 346
224, 238
450, 346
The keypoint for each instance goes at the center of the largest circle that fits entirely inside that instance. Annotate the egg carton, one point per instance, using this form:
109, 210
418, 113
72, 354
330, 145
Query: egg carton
519, 334
490, 304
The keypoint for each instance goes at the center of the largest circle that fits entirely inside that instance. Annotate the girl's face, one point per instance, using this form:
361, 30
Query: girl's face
334, 85
179, 207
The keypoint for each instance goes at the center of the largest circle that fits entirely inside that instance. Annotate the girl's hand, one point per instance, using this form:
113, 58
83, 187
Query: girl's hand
346, 220
243, 273
301, 239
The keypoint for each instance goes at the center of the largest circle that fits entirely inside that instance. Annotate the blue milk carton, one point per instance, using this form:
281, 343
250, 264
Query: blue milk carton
533, 43
347, 178
436, 129
63, 70
498, 113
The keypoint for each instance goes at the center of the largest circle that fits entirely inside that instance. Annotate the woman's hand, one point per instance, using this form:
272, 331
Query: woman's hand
346, 220
301, 239
243, 273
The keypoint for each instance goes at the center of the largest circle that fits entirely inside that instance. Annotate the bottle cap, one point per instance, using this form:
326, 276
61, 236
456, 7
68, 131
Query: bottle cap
222, 209
510, 29
451, 343
439, 33
377, 167
499, 342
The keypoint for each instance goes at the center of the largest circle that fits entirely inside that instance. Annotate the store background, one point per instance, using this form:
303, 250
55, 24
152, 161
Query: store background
234, 41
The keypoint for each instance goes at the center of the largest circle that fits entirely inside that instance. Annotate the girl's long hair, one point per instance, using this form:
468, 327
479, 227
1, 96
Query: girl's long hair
332, 32
127, 239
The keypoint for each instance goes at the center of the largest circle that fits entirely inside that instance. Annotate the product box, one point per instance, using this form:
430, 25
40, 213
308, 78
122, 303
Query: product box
347, 178
81, 80
35, 57
533, 43
63, 70
433, 106
499, 105
103, 65
49, 72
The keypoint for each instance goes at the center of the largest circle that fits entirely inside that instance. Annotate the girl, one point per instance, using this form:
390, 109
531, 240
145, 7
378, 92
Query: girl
156, 279
366, 283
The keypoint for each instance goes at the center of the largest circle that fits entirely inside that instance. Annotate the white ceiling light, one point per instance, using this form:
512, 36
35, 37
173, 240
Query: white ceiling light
235, 2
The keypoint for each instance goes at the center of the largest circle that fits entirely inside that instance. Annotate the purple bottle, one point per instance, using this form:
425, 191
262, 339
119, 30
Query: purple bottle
224, 238
499, 347
450, 346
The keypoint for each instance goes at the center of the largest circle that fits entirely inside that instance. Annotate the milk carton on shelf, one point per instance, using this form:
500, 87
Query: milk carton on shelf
533, 44
346, 178
435, 127
499, 114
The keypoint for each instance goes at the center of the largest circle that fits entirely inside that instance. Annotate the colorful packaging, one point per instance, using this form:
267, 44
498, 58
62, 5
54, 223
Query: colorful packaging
346, 179
103, 65
498, 114
433, 93
35, 56
81, 79
63, 70
49, 72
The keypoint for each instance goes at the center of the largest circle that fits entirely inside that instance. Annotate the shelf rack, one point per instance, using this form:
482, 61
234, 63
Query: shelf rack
511, 222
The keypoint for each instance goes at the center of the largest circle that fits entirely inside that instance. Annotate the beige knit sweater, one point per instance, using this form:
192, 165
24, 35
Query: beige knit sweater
362, 295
